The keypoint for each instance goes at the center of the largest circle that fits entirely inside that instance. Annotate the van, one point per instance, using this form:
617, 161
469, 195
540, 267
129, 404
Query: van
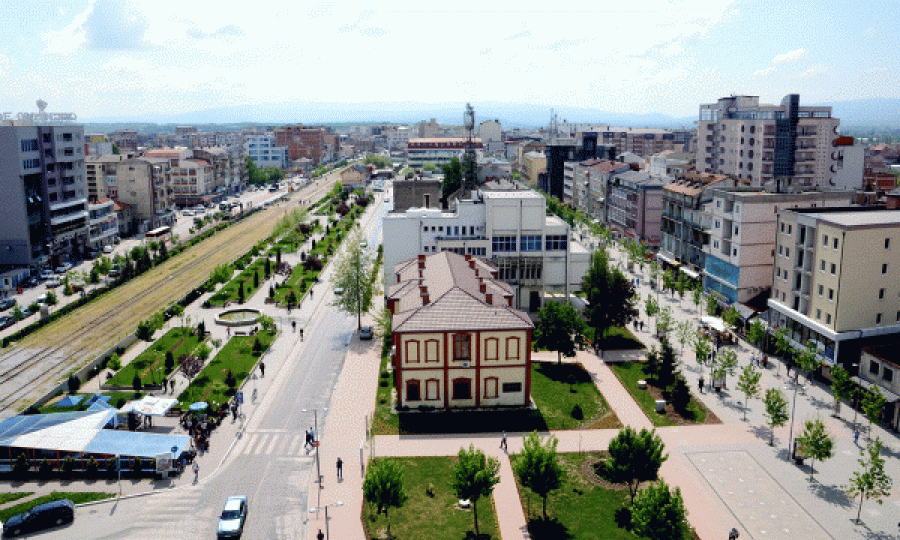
40, 517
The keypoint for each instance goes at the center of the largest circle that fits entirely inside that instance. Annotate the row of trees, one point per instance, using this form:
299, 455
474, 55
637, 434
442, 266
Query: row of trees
261, 177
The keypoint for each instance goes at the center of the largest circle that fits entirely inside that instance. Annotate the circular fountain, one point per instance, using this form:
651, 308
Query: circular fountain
238, 317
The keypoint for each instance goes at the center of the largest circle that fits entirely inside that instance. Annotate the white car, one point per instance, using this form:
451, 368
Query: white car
231, 522
187, 212
107, 249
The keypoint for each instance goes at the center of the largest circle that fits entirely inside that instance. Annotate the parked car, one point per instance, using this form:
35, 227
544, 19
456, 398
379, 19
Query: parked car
107, 249
42, 516
46, 274
187, 212
7, 303
6, 321
65, 267
231, 522
53, 282
365, 332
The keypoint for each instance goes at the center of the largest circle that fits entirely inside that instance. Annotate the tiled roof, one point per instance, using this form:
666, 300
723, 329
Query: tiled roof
455, 300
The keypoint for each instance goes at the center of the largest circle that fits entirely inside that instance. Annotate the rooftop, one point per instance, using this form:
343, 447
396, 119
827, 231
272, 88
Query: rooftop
857, 217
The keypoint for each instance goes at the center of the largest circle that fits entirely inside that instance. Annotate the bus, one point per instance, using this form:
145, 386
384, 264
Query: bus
162, 234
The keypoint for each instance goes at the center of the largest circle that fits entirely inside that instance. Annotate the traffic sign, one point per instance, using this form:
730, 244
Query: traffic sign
239, 397
315, 444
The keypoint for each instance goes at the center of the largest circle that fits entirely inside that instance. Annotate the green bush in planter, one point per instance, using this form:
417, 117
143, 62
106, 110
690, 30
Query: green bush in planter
111, 465
45, 467
68, 464
137, 465
92, 467
21, 466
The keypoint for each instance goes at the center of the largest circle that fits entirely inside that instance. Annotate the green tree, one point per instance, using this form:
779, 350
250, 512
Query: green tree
474, 477
633, 458
538, 467
453, 175
667, 368
807, 360
558, 328
697, 298
815, 443
756, 333
680, 394
702, 347
748, 384
659, 513
651, 364
725, 364
383, 487
610, 296
841, 386
871, 481
266, 322
782, 343
664, 321
669, 281
731, 317
683, 331
711, 305
354, 274
651, 306
872, 404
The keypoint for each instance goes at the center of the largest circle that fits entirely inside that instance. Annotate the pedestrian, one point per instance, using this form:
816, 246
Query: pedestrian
262, 369
229, 331
733, 535
700, 384
196, 470
321, 535
308, 439
312, 435
503, 442
642, 326
856, 437
340, 469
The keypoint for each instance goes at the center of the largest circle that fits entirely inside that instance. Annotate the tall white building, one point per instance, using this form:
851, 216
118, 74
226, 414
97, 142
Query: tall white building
533, 251
262, 150
759, 143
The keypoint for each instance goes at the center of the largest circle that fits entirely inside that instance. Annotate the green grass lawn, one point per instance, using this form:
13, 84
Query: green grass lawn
555, 389
578, 510
77, 497
425, 516
629, 373
617, 338
10, 497
236, 356
151, 364
229, 291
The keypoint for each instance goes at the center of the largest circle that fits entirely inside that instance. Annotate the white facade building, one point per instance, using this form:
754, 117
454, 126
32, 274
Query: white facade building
534, 252
262, 150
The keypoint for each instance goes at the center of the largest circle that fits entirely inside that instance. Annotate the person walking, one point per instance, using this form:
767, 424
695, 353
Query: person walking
503, 445
196, 471
262, 369
340, 469
734, 534
700, 383
321, 535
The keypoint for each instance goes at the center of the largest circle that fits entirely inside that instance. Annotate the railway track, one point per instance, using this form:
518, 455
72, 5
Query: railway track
66, 345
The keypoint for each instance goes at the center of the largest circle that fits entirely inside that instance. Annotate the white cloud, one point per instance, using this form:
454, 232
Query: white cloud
115, 25
813, 71
764, 72
789, 57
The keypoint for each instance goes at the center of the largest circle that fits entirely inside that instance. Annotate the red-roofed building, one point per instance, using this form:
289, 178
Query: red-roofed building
458, 342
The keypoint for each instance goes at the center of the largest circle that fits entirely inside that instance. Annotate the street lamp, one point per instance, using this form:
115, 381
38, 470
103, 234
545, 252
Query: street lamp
316, 442
791, 430
315, 509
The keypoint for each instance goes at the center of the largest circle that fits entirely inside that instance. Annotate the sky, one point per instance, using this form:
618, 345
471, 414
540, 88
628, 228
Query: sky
147, 58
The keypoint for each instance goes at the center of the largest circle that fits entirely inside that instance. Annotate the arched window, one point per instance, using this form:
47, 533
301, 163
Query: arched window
490, 349
462, 346
512, 348
462, 388
412, 390
491, 385
412, 352
432, 389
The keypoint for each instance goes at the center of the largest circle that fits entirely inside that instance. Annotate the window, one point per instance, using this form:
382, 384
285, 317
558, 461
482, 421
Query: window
887, 243
412, 390
557, 242
787, 252
531, 243
462, 389
511, 387
432, 390
462, 346
831, 294
412, 352
30, 145
884, 268
503, 244
833, 268
491, 385
31, 163
887, 374
778, 272
490, 348
822, 265
821, 289
881, 294
873, 367
825, 240
818, 313
828, 318
834, 243
878, 318
431, 350
512, 348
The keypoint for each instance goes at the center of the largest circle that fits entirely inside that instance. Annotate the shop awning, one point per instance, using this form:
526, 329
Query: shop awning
662, 256
149, 406
867, 385
690, 272
713, 322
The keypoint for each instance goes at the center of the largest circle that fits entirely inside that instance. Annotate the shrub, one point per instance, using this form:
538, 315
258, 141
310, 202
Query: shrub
201, 329
45, 467
257, 347
74, 383
92, 466
114, 363
312, 264
170, 360
68, 465
137, 464
136, 383
21, 466
429, 489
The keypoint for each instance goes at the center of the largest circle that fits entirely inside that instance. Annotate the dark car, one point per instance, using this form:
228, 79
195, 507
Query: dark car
42, 516
7, 303
365, 332
6, 321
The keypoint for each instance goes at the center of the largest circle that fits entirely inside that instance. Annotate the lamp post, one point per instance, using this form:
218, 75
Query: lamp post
791, 430
315, 509
316, 441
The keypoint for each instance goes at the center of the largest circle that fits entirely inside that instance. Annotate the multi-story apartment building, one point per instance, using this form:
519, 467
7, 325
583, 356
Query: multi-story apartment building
221, 160
634, 206
533, 164
44, 207
438, 151
491, 134
741, 250
125, 139
670, 163
585, 184
443, 360
97, 144
143, 184
398, 137
264, 151
534, 252
192, 181
643, 141
685, 222
104, 225
301, 141
759, 143
837, 279
100, 172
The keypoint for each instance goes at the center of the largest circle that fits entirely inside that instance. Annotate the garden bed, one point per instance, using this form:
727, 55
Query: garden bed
629, 373
150, 365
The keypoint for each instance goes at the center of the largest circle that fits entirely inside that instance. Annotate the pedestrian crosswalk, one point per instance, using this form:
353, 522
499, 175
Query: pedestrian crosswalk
177, 514
268, 443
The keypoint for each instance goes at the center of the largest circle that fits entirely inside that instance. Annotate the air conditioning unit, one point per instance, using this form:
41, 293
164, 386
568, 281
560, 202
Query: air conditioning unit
465, 364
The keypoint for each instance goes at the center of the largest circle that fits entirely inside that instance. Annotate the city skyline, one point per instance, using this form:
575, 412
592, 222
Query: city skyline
133, 58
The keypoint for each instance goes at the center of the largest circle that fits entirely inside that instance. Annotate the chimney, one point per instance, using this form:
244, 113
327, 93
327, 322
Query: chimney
468, 256
423, 290
509, 300
482, 287
489, 298
472, 265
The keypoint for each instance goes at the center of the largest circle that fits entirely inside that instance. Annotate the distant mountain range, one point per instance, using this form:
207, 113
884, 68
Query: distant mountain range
880, 112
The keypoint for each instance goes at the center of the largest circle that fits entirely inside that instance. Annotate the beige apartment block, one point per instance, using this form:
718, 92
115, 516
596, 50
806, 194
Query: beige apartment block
837, 279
